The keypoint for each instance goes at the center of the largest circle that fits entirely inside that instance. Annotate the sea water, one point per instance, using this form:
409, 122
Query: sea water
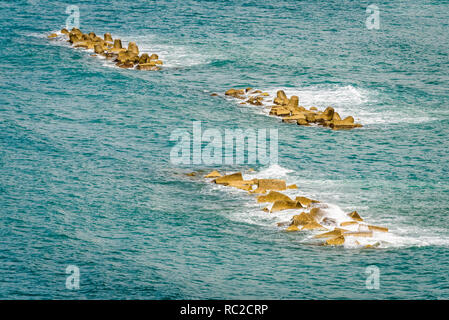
86, 178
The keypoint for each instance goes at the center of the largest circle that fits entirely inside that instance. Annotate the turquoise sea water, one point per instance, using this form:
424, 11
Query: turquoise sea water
85, 172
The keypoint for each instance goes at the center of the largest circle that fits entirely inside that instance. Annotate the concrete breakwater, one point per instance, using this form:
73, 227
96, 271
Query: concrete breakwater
305, 215
111, 49
289, 110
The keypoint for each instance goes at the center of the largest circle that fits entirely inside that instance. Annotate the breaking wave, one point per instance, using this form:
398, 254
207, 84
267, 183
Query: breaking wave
173, 56
347, 100
252, 213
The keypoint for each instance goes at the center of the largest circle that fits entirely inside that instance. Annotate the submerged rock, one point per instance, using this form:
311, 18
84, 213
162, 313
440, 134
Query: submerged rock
337, 241
348, 223
292, 228
302, 219
126, 65
377, 228
317, 213
235, 93
294, 118
371, 246
147, 66
347, 123
329, 222
359, 233
302, 122
256, 101
213, 174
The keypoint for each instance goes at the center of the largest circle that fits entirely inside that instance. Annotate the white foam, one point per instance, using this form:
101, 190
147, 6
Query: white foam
398, 235
42, 35
326, 96
344, 99
348, 100
172, 55
273, 171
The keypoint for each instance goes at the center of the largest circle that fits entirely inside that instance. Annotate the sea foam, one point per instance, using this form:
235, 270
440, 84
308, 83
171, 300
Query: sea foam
251, 213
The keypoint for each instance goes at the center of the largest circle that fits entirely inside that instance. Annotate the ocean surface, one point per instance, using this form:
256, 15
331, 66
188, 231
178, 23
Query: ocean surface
85, 171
